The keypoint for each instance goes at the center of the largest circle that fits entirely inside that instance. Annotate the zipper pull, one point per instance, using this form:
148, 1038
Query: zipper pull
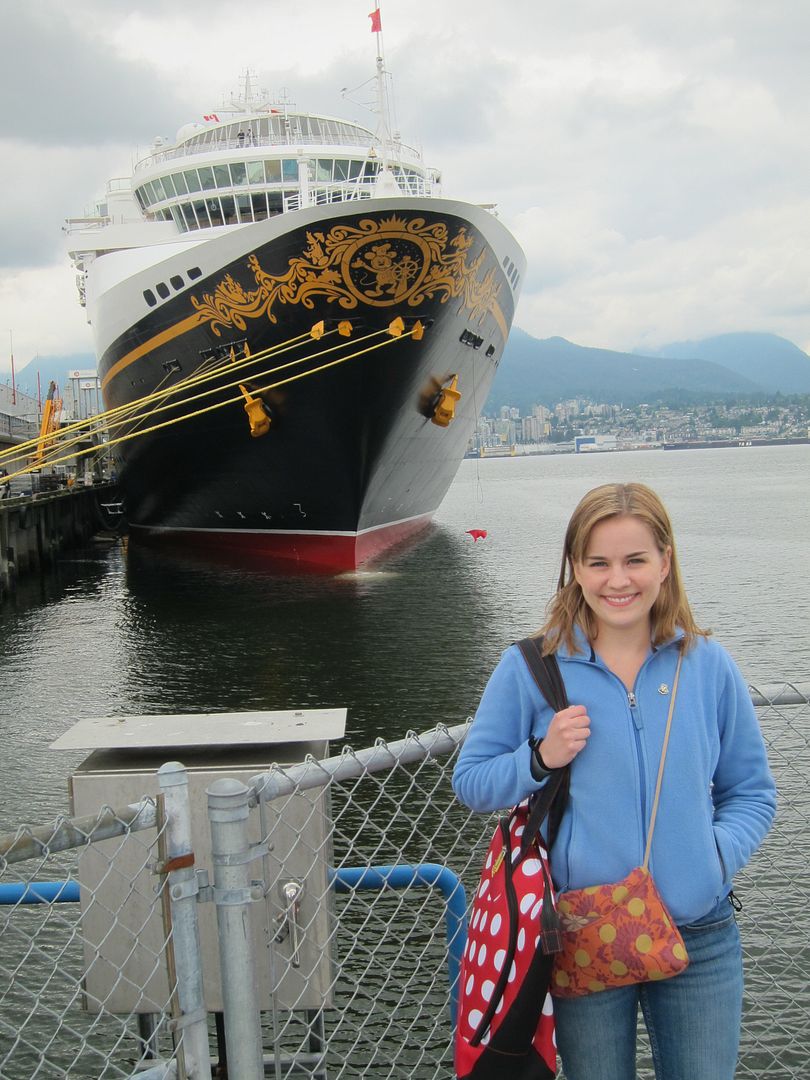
633, 703
498, 861
631, 699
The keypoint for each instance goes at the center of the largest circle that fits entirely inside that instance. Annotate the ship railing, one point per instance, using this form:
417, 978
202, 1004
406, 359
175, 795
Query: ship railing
106, 932
362, 188
358, 144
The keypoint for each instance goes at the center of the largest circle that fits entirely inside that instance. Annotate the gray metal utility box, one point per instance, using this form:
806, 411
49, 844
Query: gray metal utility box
123, 925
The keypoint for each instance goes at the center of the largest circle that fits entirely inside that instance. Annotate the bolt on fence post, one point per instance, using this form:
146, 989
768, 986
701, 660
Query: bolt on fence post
183, 890
231, 856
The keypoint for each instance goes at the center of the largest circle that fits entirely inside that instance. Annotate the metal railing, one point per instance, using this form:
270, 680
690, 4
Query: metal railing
318, 935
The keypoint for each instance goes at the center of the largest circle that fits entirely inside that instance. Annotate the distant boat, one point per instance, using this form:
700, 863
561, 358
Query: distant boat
258, 224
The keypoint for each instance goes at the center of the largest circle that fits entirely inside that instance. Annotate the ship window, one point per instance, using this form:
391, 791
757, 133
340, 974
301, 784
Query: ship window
272, 170
168, 187
149, 193
167, 214
289, 169
370, 168
215, 211
238, 173
160, 194
275, 202
341, 170
162, 289
255, 172
228, 209
192, 180
179, 183
354, 169
505, 261
188, 214
259, 206
149, 297
323, 169
264, 128
207, 178
176, 281
222, 176
194, 272
139, 196
243, 206
202, 214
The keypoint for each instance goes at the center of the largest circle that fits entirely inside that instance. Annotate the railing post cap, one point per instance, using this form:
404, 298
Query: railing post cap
229, 797
172, 774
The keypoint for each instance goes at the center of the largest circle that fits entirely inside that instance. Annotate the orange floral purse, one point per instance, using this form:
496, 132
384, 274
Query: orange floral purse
615, 935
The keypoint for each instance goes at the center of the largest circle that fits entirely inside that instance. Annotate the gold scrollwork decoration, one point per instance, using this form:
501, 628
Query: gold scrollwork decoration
378, 262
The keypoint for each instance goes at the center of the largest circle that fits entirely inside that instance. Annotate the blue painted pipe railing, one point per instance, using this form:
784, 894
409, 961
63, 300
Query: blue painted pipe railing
346, 879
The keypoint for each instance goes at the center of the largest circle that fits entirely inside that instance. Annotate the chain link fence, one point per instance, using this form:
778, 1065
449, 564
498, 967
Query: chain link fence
313, 923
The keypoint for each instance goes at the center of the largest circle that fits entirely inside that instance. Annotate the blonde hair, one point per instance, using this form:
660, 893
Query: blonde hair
568, 607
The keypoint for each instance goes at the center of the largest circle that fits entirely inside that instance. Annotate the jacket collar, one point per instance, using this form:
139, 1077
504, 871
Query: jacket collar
586, 651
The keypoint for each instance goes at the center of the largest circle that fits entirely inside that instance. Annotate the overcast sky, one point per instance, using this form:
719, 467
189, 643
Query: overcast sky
653, 159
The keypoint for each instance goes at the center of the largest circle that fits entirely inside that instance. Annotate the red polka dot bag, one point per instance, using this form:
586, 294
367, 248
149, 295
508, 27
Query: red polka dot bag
505, 1023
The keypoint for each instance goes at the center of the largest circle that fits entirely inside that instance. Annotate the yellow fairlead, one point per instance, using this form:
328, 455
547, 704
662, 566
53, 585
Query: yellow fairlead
444, 412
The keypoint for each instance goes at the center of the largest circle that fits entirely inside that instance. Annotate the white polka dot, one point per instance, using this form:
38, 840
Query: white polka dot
512, 972
484, 921
527, 901
485, 885
519, 831
472, 951
486, 989
482, 955
495, 925
537, 941
554, 1038
488, 862
499, 958
476, 917
474, 1018
536, 909
531, 867
521, 941
515, 854
548, 1006
470, 985
500, 1006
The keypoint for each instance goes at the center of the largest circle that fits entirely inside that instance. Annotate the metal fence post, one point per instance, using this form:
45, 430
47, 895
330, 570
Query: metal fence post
231, 856
183, 892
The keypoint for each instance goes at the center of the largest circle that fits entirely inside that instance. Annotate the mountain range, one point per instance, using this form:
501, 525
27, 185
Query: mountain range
535, 371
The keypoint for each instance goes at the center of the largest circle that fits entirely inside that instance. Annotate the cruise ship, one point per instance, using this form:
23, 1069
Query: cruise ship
295, 332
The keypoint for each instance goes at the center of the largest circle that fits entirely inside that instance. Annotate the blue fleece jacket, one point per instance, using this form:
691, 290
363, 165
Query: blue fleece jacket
718, 797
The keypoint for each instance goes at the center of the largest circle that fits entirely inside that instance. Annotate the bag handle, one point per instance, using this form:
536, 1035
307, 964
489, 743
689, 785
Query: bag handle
658, 782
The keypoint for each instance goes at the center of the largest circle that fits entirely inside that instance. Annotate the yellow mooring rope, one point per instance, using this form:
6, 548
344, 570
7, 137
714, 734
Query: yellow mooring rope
392, 335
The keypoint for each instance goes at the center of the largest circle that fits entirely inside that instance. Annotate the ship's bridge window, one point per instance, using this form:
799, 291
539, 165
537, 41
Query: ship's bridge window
169, 188
238, 173
289, 169
207, 178
201, 211
255, 172
228, 209
221, 176
355, 168
259, 206
243, 206
275, 202
323, 169
341, 170
272, 170
180, 183
192, 180
160, 194
215, 211
140, 198
191, 220
371, 168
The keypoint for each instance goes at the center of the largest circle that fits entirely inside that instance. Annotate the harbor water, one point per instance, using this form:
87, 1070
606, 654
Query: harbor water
405, 644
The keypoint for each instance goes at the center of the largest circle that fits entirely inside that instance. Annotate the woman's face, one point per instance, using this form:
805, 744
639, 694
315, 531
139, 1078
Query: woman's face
621, 574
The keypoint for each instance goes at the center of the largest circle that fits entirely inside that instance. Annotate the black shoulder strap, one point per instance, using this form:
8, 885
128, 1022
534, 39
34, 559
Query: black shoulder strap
550, 800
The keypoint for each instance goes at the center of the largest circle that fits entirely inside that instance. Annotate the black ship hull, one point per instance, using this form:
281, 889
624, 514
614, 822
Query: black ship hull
410, 295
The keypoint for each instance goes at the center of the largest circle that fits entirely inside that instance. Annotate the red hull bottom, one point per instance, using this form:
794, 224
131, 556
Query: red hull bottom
326, 553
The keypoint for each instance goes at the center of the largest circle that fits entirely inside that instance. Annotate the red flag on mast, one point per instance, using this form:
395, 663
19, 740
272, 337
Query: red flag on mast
376, 21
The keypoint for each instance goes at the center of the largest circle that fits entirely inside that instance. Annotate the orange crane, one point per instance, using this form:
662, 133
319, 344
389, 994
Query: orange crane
51, 416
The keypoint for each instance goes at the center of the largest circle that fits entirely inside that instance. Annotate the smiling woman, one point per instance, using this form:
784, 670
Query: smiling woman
625, 638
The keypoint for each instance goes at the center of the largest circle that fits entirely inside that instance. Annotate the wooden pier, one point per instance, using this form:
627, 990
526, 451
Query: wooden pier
35, 528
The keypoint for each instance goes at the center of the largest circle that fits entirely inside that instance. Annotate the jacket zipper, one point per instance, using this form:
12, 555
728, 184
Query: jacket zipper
632, 701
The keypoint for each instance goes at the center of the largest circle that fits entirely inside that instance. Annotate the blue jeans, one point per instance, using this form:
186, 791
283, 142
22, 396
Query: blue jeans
693, 1019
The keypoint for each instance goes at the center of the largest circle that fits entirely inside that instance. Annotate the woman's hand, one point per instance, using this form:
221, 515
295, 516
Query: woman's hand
567, 734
